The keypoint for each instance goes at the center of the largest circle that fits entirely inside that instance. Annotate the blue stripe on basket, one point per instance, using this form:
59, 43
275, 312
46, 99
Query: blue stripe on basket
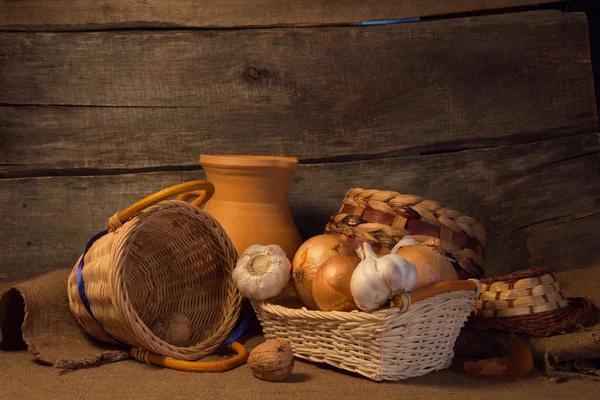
241, 328
81, 284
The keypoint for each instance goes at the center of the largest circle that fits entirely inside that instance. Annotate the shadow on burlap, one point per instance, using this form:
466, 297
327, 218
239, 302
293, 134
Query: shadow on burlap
35, 313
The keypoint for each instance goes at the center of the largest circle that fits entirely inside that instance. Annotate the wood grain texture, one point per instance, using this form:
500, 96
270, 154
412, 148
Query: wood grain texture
312, 93
531, 198
91, 14
365, 71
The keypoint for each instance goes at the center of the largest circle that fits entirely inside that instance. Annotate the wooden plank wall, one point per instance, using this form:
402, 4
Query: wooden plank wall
501, 108
103, 14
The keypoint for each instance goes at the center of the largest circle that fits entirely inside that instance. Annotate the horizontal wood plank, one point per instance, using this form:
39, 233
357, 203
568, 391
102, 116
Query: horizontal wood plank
91, 14
312, 93
532, 198
504, 60
38, 141
562, 243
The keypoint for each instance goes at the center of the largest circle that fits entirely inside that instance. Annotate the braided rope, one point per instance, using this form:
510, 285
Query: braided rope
396, 212
429, 210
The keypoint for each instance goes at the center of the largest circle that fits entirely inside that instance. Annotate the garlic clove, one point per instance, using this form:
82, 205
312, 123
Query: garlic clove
376, 280
405, 241
399, 273
368, 252
368, 289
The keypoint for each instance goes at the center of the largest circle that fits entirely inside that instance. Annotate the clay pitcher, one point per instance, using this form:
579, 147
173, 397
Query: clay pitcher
251, 199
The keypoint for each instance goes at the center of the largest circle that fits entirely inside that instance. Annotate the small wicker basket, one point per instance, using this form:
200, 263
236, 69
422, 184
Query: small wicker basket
412, 339
382, 218
158, 257
530, 302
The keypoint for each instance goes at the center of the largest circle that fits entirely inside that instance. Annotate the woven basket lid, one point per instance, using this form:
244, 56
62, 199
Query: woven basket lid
532, 292
382, 218
528, 302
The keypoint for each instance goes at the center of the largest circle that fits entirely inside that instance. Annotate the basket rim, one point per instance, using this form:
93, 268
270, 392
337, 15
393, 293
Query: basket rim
517, 276
377, 315
546, 323
500, 286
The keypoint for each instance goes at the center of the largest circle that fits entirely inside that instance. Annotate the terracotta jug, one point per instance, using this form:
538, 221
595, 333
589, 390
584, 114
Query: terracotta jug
251, 199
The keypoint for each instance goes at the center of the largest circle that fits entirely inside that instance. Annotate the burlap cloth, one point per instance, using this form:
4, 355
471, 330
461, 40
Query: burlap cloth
566, 350
35, 313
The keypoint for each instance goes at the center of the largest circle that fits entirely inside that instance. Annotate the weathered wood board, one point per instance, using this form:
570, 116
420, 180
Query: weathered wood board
502, 107
510, 57
315, 93
94, 14
525, 195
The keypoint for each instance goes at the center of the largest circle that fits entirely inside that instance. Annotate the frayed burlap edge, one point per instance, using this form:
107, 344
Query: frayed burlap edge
48, 329
94, 360
559, 369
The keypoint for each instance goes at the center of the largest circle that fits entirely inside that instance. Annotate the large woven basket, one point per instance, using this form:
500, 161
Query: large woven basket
157, 258
382, 218
530, 302
388, 344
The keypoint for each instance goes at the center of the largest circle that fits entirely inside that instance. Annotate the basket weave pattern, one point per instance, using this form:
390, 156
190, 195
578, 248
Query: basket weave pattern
388, 344
172, 257
528, 302
384, 217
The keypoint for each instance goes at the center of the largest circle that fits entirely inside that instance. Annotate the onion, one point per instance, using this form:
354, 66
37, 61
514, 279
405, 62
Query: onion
331, 284
310, 256
432, 266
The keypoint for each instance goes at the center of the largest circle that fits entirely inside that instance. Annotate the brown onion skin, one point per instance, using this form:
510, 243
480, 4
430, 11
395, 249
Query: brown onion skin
432, 266
304, 268
331, 284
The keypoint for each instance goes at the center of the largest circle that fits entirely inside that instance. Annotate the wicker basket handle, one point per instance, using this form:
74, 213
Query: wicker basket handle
193, 366
203, 189
404, 300
199, 194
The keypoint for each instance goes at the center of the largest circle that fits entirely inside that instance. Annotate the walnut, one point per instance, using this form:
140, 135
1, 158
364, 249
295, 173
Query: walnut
174, 328
272, 361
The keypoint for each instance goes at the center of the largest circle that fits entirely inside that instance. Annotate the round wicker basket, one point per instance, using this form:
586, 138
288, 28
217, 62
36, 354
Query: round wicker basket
529, 302
158, 257
382, 218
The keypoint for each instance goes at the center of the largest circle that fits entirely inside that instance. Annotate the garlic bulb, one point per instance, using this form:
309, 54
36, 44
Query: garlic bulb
262, 271
377, 280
